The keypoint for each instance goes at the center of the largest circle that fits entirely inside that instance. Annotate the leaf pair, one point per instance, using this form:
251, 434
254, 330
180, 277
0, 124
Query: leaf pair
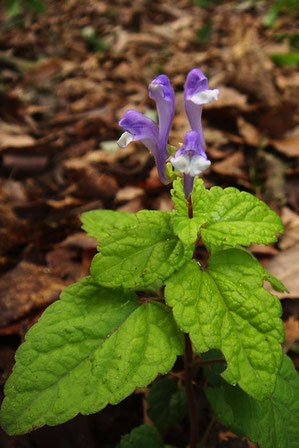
224, 218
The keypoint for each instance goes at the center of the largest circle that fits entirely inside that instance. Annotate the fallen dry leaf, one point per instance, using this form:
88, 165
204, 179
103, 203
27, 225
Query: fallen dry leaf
291, 327
25, 288
285, 266
290, 221
231, 166
289, 145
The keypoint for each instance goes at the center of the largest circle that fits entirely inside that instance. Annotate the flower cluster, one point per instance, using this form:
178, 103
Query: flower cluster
191, 158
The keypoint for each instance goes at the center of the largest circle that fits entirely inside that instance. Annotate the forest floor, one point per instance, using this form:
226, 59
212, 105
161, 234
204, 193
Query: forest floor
67, 76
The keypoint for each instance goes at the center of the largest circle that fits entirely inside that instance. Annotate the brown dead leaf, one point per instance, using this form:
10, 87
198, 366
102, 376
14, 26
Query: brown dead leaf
291, 328
80, 240
128, 194
229, 96
231, 166
249, 132
252, 72
285, 266
261, 249
133, 206
7, 359
25, 288
289, 145
290, 221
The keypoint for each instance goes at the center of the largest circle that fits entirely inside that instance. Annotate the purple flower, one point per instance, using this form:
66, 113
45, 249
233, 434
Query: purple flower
139, 127
197, 94
191, 160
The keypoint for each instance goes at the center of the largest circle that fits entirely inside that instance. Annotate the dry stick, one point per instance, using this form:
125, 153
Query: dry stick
188, 358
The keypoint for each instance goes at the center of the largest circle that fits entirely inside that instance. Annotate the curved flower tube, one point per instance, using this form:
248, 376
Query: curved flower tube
140, 127
162, 93
197, 94
191, 160
154, 137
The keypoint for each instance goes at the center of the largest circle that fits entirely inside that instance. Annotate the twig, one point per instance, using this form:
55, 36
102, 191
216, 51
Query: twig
17, 64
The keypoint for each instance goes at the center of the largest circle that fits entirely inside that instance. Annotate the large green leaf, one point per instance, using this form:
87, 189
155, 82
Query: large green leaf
224, 218
198, 198
140, 255
168, 403
272, 423
235, 217
98, 223
92, 347
143, 436
225, 307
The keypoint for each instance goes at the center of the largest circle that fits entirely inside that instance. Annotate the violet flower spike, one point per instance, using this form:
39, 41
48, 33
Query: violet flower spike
191, 160
197, 93
162, 93
154, 137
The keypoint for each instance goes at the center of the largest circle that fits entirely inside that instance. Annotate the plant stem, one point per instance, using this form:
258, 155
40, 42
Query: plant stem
188, 355
190, 208
188, 358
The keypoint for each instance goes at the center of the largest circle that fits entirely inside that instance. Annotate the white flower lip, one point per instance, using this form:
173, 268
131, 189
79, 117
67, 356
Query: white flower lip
193, 166
125, 139
205, 97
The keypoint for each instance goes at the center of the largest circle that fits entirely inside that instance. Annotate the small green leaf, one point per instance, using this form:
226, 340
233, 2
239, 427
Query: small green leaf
198, 198
186, 229
98, 223
144, 436
272, 423
285, 58
91, 348
138, 256
168, 403
226, 307
236, 217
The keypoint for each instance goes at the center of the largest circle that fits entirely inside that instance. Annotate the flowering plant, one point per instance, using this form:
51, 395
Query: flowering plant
149, 300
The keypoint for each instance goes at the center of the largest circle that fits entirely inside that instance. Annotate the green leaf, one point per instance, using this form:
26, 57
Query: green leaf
285, 58
226, 307
236, 217
92, 347
198, 198
168, 403
224, 218
140, 255
144, 436
12, 7
186, 229
37, 6
98, 223
272, 423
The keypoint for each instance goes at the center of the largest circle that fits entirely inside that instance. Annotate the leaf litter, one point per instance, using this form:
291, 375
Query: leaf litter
61, 95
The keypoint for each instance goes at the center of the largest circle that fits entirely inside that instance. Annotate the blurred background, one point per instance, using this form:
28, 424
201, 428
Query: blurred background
68, 71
